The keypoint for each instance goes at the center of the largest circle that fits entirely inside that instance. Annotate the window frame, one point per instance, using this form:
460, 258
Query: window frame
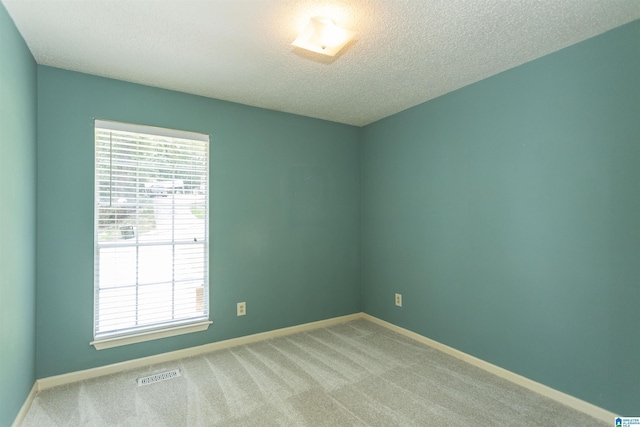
159, 329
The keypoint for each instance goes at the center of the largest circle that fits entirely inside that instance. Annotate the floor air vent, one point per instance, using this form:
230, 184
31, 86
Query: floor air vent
159, 377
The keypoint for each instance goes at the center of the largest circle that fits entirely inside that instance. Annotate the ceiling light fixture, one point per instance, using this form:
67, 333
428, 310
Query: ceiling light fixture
323, 36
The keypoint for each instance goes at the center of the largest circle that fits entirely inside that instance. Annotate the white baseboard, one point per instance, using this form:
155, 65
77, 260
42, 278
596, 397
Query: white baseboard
565, 399
558, 396
25, 406
45, 383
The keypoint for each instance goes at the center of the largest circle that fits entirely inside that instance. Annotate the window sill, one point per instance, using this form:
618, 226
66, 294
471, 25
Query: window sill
150, 335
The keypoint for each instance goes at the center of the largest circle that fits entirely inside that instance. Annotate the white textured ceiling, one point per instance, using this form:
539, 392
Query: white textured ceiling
406, 51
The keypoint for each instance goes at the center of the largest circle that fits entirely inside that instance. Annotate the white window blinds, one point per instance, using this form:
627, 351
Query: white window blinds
151, 229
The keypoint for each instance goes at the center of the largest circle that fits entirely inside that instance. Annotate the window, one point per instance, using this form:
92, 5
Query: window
151, 250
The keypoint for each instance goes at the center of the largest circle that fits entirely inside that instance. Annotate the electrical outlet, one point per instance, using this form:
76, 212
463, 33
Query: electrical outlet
399, 300
242, 308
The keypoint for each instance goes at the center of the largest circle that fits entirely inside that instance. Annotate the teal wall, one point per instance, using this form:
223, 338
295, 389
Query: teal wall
507, 213
17, 219
284, 214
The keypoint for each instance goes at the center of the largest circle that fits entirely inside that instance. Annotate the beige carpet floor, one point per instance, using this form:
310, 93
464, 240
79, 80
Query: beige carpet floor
353, 374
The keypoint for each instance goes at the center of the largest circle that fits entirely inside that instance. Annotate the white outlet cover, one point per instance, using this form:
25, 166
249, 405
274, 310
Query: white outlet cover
399, 300
242, 308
